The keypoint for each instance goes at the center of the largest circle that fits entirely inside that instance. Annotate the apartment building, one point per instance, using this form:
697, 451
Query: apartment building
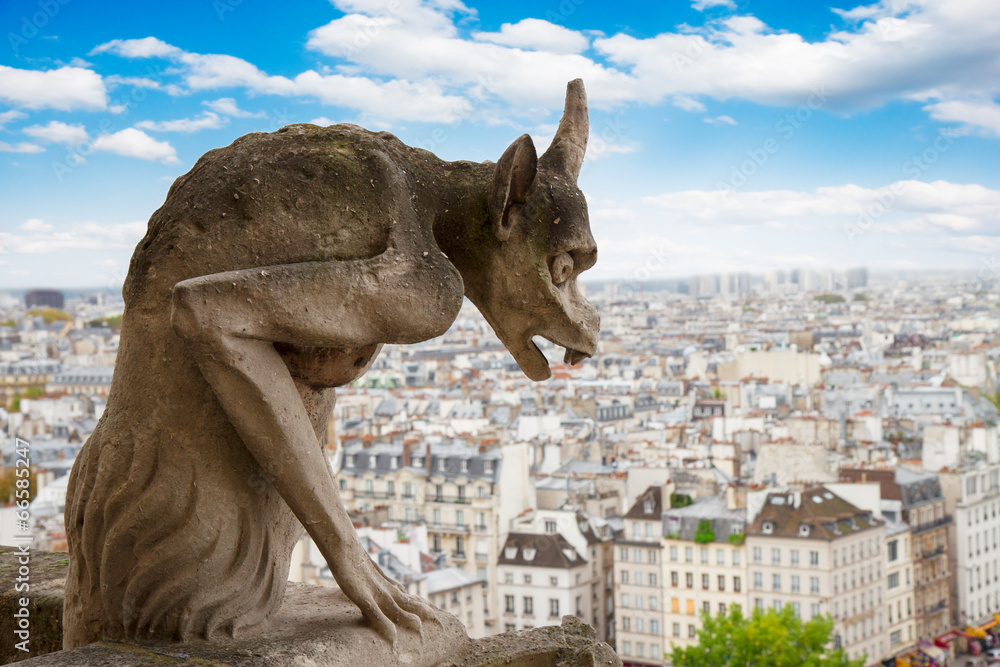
592, 538
638, 628
465, 497
901, 624
820, 554
704, 565
542, 578
972, 497
922, 507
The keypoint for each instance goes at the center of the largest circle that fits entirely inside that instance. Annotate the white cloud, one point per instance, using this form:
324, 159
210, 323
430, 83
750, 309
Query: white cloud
720, 120
409, 60
42, 238
227, 107
66, 88
58, 133
702, 5
537, 35
323, 121
147, 47
22, 147
974, 114
207, 121
136, 143
36, 225
687, 104
8, 116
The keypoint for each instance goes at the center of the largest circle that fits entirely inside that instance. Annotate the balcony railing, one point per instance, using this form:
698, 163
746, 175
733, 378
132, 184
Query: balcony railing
943, 521
449, 527
461, 500
938, 606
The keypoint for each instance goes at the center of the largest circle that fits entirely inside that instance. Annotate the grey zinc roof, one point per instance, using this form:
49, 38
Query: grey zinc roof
449, 578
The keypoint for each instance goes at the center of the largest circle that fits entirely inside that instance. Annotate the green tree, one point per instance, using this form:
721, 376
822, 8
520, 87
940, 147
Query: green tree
49, 315
766, 639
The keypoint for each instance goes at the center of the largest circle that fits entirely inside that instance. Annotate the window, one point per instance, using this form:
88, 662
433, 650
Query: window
893, 550
814, 585
722, 608
689, 579
758, 580
673, 553
488, 466
527, 578
673, 579
553, 607
652, 579
722, 582
625, 600
736, 558
704, 582
795, 583
624, 555
626, 647
777, 605
625, 578
814, 558
654, 628
677, 629
720, 557
640, 624
691, 631
815, 609
638, 578
529, 605
704, 555
758, 603
652, 556
776, 556
894, 580
706, 607
757, 557
654, 602
654, 651
776, 582
688, 555
736, 584
553, 581
508, 603
797, 609
508, 578
795, 557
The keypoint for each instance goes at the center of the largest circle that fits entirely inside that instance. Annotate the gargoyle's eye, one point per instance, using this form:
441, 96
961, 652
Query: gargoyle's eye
562, 268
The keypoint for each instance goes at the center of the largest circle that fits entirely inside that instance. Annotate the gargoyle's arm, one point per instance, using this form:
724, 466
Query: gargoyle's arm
231, 320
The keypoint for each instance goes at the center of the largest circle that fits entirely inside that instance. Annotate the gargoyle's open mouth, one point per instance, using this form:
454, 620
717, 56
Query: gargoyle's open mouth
535, 364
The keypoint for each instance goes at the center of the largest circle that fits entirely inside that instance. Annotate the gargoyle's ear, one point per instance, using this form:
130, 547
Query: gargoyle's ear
512, 178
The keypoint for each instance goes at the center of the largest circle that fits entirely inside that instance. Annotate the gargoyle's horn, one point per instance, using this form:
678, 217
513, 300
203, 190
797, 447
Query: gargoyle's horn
570, 142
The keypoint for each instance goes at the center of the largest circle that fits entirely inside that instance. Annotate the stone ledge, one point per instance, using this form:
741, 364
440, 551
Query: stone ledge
315, 627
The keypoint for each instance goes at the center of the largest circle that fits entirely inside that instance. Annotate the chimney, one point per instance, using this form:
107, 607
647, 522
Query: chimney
407, 447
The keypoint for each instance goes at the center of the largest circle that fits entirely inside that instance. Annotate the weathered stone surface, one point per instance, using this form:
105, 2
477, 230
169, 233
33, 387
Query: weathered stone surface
315, 627
274, 272
45, 580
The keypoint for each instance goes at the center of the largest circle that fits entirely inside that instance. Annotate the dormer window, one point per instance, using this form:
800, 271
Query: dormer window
768, 527
350, 460
647, 506
417, 462
372, 460
465, 465
510, 553
441, 463
529, 553
570, 554
487, 466
803, 530
394, 462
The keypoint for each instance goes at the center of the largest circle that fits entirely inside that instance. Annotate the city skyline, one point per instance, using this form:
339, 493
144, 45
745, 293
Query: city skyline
726, 137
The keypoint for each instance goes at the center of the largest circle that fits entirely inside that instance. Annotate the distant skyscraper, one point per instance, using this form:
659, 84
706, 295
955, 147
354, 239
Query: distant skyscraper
44, 298
857, 278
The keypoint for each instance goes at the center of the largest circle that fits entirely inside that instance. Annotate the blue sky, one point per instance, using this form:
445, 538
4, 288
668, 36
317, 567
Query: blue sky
725, 135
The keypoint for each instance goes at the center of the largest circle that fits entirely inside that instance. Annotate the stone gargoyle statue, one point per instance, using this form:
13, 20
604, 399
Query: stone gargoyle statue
274, 272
